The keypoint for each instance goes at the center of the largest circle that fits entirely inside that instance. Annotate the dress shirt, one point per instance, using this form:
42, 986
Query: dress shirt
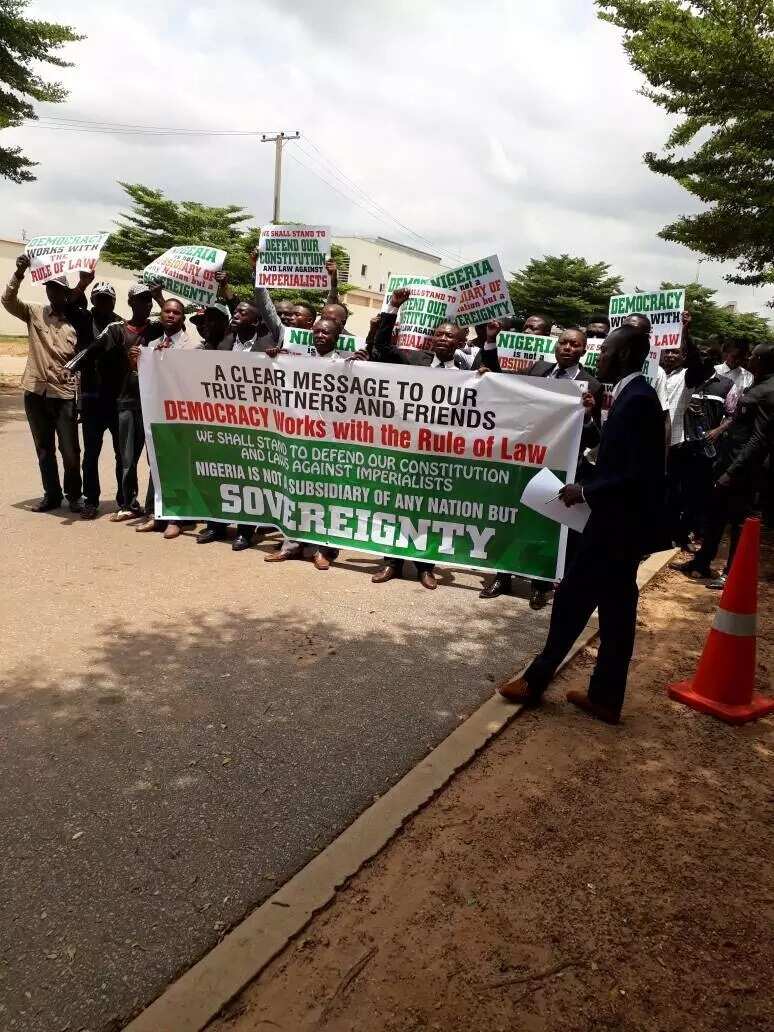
570, 373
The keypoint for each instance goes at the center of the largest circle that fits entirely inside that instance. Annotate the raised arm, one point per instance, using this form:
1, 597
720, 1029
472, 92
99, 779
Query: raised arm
10, 299
267, 313
226, 291
487, 359
333, 271
383, 349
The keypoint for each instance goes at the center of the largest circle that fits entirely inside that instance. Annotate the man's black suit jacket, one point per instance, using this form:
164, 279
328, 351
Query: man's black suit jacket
627, 490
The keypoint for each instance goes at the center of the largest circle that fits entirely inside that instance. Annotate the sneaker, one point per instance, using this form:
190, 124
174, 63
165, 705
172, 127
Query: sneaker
123, 515
718, 583
89, 511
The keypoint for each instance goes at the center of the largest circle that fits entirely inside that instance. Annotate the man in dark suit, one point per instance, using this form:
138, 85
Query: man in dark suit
447, 338
570, 349
225, 330
626, 495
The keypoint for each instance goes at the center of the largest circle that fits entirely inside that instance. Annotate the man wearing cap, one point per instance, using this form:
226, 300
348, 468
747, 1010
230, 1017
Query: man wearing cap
101, 380
212, 322
49, 388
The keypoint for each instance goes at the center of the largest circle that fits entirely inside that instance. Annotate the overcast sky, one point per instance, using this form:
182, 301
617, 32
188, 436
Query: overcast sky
507, 126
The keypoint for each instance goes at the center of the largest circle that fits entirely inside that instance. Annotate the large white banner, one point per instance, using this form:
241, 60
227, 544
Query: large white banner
359, 455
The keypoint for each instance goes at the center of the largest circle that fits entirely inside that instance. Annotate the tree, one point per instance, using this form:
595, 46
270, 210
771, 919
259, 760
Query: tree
710, 320
569, 290
22, 41
157, 223
712, 63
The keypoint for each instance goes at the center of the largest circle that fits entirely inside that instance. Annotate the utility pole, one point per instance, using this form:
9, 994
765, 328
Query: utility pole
278, 139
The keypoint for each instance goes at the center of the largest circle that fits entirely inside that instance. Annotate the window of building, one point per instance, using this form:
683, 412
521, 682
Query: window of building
381, 288
363, 270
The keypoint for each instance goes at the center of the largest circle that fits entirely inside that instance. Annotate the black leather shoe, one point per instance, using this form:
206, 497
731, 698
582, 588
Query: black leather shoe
539, 598
501, 585
208, 534
240, 543
76, 505
46, 504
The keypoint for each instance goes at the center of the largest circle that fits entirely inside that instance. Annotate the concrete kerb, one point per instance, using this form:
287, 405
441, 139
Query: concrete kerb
198, 996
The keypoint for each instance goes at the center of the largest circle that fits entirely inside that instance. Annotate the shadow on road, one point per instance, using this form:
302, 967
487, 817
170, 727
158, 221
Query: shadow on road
160, 791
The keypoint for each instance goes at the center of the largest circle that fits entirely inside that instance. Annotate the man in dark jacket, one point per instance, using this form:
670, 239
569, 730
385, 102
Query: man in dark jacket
110, 353
236, 331
743, 443
627, 521
100, 383
570, 349
694, 428
447, 338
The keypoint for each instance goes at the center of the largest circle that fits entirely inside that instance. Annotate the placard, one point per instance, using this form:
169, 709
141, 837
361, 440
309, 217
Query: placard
52, 256
187, 272
293, 256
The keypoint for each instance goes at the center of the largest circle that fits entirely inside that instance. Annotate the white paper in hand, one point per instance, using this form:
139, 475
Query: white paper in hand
542, 495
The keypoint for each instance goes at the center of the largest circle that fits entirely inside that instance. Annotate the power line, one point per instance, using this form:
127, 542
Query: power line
116, 131
333, 169
363, 200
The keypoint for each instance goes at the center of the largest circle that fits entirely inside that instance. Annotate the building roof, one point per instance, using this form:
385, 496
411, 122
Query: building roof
393, 245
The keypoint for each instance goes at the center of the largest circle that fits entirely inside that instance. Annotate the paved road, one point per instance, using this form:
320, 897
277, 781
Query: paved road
183, 727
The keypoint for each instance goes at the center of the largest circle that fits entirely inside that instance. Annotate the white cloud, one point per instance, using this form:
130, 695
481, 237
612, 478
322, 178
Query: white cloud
508, 126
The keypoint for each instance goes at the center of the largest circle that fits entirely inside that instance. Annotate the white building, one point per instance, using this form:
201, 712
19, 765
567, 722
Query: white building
371, 262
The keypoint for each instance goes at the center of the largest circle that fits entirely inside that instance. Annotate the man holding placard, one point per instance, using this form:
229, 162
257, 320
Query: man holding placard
49, 387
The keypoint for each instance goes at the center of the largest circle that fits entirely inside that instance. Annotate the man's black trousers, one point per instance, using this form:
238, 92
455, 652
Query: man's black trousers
593, 581
98, 416
55, 420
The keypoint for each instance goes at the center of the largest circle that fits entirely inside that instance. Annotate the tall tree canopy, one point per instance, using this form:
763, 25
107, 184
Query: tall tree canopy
22, 42
156, 223
569, 290
712, 63
710, 320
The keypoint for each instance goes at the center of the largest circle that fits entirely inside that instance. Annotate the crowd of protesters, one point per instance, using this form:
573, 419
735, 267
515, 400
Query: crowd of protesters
709, 463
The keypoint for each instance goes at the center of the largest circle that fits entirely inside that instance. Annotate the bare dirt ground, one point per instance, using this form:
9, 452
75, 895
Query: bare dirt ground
575, 877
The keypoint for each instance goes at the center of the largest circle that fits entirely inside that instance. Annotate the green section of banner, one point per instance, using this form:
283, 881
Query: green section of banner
437, 509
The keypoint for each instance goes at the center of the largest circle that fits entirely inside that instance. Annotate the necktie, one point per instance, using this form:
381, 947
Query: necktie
560, 374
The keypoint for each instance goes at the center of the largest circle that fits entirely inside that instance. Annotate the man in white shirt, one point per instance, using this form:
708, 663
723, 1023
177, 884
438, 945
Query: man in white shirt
733, 368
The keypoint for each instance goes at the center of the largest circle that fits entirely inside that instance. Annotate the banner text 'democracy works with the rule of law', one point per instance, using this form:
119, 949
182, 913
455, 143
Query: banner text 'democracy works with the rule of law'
427, 464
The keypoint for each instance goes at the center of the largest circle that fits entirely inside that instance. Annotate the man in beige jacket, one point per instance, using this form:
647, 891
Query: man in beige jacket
49, 388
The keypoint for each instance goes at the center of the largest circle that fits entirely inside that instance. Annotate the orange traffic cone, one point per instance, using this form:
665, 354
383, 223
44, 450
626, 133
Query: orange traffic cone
724, 682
